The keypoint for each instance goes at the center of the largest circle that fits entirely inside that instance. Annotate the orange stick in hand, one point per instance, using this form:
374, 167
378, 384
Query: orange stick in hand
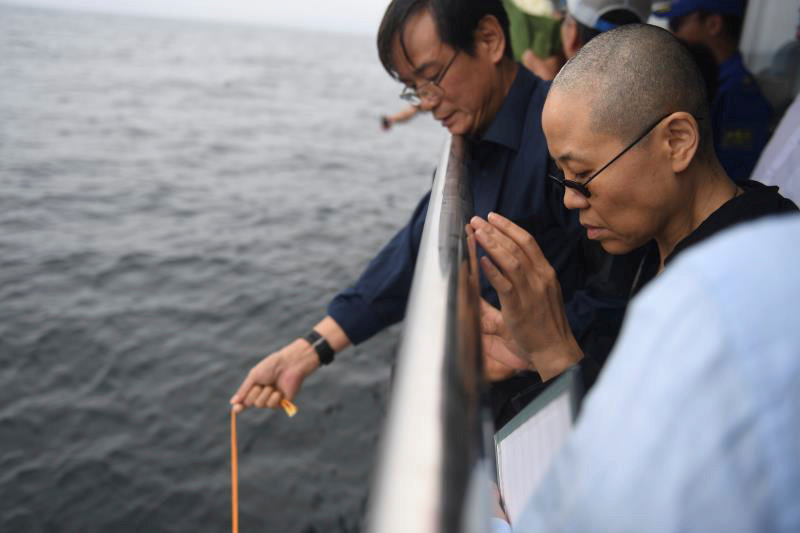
234, 474
291, 410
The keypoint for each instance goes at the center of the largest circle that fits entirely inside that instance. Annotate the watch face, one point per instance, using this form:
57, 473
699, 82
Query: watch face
324, 351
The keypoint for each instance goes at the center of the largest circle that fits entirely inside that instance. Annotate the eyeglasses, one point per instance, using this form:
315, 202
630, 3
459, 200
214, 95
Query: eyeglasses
582, 187
430, 90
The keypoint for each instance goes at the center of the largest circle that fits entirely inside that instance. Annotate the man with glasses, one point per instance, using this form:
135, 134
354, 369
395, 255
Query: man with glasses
633, 183
454, 58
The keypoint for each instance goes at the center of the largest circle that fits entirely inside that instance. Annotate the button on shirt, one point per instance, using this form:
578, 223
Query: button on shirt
740, 118
694, 424
508, 172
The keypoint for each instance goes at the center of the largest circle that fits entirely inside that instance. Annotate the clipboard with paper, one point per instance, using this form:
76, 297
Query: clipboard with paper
526, 446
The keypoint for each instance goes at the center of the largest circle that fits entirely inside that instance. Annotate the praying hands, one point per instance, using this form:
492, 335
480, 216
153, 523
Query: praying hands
530, 330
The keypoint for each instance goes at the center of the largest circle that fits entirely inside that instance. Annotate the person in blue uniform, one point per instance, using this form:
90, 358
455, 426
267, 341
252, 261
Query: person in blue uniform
740, 113
455, 62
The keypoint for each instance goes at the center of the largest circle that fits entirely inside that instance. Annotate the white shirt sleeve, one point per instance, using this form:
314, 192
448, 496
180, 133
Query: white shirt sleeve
694, 424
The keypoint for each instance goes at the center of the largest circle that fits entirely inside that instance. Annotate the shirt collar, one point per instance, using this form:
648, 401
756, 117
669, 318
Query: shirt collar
756, 201
507, 126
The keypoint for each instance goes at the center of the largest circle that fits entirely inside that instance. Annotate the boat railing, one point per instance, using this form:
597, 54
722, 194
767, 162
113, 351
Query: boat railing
432, 472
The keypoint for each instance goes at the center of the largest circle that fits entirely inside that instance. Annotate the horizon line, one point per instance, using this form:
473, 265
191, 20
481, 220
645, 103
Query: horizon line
234, 21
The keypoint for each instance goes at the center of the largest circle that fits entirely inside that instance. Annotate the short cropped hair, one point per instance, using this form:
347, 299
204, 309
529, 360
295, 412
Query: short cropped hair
634, 74
456, 22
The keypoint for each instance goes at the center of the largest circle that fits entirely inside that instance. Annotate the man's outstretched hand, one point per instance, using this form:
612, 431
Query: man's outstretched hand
278, 376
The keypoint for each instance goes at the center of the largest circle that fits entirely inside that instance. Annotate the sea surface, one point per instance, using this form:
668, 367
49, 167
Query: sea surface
178, 199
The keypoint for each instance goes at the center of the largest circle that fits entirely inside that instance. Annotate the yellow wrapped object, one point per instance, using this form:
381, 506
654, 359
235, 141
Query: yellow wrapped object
289, 408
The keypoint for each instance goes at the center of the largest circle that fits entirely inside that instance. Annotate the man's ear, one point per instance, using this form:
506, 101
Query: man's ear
681, 139
489, 37
713, 24
570, 37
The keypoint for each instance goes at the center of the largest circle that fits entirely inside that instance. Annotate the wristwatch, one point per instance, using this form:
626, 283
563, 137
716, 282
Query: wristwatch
321, 346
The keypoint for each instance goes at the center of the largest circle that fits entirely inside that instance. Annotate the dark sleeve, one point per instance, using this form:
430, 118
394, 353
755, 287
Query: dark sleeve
596, 310
378, 299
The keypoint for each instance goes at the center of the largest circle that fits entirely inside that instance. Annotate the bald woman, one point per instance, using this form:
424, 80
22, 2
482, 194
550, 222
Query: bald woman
628, 125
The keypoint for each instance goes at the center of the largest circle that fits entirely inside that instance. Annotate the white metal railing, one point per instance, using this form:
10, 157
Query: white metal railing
432, 471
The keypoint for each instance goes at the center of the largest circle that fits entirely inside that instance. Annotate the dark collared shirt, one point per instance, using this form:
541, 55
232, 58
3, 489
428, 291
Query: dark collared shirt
757, 200
508, 172
740, 118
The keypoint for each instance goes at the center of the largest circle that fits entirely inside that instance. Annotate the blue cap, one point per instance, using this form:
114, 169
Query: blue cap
679, 8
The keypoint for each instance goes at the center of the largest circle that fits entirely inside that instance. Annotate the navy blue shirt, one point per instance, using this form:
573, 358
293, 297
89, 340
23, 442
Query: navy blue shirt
740, 117
508, 172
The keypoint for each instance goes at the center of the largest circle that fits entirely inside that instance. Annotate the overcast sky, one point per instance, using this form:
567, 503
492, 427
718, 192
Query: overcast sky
362, 16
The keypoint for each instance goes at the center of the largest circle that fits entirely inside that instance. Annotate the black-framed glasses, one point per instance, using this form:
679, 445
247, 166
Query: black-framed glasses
582, 187
430, 90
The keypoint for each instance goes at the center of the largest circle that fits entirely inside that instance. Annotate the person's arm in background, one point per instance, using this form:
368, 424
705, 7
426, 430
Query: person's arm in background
377, 300
387, 121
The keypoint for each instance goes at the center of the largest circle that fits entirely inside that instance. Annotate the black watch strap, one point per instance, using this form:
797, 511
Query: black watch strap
321, 346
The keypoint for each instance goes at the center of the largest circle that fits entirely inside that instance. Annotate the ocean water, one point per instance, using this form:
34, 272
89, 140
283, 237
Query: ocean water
178, 199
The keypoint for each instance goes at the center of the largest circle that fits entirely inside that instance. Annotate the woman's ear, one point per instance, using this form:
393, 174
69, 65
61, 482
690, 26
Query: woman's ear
489, 36
683, 139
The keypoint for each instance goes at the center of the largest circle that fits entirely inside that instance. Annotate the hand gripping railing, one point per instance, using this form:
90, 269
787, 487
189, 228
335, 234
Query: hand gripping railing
432, 473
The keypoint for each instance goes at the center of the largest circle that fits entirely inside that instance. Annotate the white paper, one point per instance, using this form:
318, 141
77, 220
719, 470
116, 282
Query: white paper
525, 455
